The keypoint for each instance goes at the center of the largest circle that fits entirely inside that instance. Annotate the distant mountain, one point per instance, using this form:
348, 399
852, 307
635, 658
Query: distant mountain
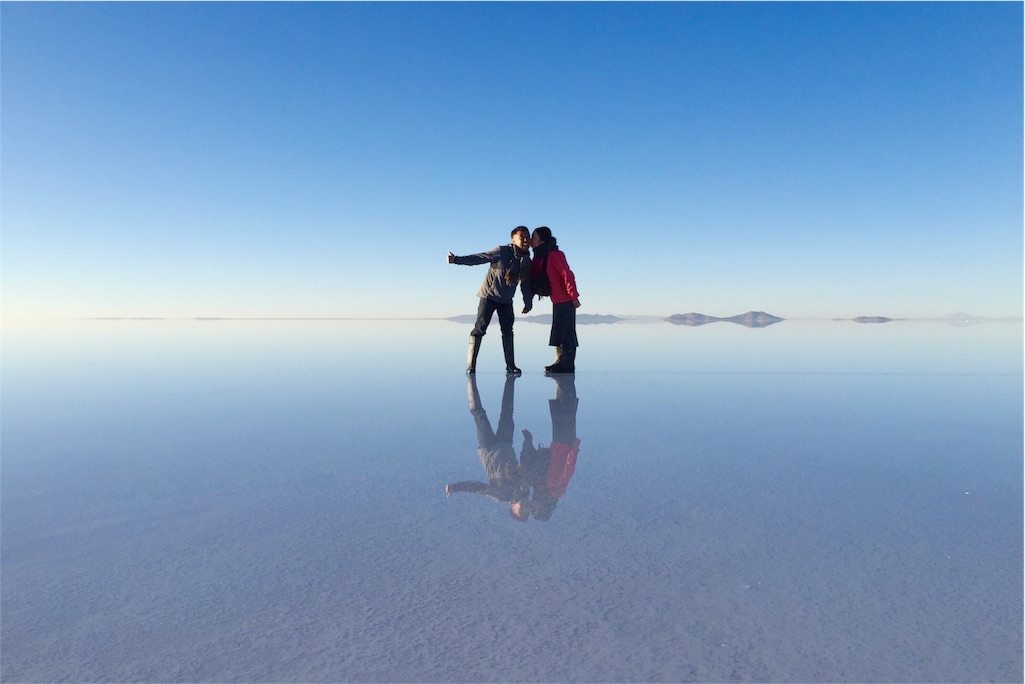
871, 319
751, 319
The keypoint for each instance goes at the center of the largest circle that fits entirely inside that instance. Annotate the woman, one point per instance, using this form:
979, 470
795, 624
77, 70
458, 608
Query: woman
550, 261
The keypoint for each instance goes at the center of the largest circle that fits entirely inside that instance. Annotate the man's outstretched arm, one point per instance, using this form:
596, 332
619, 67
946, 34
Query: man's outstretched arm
471, 488
475, 259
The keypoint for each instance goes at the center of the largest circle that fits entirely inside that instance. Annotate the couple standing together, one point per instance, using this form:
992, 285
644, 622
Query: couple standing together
512, 266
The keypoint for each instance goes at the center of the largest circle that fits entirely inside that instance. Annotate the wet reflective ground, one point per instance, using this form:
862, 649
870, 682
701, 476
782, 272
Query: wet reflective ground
266, 501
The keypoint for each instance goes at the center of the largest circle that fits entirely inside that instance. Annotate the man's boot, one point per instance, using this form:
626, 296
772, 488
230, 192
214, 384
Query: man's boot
510, 362
558, 358
471, 355
568, 362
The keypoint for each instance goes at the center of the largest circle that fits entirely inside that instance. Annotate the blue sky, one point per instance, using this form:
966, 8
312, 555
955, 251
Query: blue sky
809, 160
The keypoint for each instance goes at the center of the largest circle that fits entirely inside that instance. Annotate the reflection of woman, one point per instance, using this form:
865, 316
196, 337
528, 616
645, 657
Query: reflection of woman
506, 482
565, 299
548, 470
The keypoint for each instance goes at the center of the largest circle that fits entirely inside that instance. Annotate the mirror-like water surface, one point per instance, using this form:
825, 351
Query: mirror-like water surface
266, 501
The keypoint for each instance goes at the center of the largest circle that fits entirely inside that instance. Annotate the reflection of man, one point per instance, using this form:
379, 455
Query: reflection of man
549, 470
505, 479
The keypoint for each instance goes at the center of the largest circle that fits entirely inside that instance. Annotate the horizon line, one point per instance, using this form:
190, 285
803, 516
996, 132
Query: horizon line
947, 317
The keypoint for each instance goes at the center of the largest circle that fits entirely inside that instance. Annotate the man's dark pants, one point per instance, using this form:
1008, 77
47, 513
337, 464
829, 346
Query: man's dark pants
486, 309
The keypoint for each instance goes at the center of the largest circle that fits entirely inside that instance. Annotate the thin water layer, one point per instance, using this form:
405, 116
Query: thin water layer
332, 501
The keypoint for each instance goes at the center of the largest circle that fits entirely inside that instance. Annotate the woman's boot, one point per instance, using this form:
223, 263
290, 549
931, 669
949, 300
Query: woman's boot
558, 359
568, 362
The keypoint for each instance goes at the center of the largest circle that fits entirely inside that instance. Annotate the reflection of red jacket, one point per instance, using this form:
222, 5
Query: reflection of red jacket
564, 285
563, 463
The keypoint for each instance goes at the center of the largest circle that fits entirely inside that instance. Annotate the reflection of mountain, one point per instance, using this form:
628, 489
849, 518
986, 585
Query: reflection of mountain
755, 319
582, 319
962, 317
751, 319
961, 320
692, 319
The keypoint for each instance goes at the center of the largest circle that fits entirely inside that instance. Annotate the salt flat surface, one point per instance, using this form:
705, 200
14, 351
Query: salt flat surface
265, 501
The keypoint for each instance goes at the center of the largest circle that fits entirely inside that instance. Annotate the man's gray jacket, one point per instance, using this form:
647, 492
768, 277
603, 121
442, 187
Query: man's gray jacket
501, 258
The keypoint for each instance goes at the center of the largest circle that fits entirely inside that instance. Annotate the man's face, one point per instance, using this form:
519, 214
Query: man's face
520, 510
521, 239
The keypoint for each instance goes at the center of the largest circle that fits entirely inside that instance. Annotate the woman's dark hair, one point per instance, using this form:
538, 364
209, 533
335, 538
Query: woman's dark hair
544, 232
544, 508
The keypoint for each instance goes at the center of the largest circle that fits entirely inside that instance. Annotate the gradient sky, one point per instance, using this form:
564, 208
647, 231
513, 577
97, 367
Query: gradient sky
809, 160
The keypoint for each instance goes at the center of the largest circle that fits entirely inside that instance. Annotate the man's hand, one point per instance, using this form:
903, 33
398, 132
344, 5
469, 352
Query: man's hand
528, 306
451, 258
448, 490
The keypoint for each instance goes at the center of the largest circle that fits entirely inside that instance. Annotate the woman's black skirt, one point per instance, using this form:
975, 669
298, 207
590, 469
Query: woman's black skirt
564, 326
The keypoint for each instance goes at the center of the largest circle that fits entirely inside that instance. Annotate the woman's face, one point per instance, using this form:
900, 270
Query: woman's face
535, 240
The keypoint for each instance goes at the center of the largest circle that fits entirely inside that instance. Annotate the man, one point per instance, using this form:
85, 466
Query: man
509, 267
